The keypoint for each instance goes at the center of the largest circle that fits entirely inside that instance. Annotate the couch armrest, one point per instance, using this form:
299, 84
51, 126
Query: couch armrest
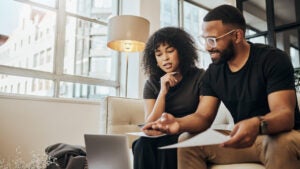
123, 115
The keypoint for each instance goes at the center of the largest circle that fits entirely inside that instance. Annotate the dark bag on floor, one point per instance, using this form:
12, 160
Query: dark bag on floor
65, 156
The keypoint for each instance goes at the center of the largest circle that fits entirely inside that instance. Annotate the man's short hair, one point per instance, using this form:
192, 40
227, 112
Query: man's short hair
228, 15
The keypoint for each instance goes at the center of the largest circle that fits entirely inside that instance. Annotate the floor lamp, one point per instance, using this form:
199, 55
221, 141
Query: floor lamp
127, 33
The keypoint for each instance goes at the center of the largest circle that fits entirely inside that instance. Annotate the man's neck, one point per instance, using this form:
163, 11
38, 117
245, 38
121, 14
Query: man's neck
242, 52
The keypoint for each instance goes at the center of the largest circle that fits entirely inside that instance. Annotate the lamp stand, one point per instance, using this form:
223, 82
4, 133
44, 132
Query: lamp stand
126, 80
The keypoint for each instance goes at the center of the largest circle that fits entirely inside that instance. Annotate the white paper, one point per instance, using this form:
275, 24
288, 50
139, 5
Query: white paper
227, 127
142, 134
208, 137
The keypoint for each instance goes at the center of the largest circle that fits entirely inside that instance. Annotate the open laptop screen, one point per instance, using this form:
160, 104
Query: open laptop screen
107, 151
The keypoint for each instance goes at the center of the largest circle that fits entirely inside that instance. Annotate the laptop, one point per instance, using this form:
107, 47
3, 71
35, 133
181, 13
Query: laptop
107, 151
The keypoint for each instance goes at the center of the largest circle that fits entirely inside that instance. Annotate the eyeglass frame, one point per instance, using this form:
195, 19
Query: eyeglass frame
214, 39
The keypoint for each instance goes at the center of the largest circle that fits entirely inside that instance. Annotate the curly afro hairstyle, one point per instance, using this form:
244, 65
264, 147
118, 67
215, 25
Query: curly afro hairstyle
177, 38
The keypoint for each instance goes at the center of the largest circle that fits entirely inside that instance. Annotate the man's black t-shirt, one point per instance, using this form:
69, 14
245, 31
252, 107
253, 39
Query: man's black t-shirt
245, 92
181, 99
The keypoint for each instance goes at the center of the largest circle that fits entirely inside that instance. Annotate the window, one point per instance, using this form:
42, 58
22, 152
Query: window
20, 85
191, 21
59, 48
280, 29
294, 52
76, 90
286, 13
255, 14
169, 15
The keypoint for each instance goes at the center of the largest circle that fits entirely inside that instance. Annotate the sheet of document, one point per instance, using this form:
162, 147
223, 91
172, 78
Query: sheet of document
208, 137
227, 127
142, 134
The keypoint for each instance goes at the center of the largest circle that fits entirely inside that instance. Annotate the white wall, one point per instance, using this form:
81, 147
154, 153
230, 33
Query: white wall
34, 123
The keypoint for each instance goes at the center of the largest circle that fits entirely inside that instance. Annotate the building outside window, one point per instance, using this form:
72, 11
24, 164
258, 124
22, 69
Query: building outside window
59, 46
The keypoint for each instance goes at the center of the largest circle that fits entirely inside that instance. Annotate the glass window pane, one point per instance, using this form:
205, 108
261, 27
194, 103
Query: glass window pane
259, 39
29, 34
285, 11
76, 90
99, 9
51, 3
86, 53
255, 14
294, 52
288, 41
204, 59
168, 13
297, 78
193, 19
250, 32
25, 85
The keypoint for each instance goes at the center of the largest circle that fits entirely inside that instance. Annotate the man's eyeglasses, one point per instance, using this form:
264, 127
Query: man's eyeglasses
212, 41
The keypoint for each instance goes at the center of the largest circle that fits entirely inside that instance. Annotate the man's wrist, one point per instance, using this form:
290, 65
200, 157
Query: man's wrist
263, 125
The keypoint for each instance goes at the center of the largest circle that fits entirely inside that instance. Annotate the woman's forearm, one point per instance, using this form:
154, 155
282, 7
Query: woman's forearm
158, 109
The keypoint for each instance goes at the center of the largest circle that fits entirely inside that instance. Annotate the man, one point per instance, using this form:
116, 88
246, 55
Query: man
256, 84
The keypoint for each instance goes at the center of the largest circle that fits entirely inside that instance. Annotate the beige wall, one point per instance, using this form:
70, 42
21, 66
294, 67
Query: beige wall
34, 123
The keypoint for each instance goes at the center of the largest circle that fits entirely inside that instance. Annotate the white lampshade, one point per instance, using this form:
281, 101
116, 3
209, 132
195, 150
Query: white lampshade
127, 33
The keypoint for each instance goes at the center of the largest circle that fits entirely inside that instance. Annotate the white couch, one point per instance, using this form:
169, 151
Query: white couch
121, 115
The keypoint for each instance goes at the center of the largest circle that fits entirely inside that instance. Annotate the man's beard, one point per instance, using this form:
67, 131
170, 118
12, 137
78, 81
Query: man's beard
225, 55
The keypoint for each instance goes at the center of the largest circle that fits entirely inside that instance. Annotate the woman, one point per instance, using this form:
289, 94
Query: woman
173, 86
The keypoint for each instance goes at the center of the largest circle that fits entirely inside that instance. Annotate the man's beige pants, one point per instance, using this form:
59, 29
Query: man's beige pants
280, 151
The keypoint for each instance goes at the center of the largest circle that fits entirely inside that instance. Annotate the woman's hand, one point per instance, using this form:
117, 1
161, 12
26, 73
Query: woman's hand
148, 130
167, 81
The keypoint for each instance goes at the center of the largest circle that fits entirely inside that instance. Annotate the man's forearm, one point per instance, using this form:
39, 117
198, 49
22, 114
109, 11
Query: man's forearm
193, 123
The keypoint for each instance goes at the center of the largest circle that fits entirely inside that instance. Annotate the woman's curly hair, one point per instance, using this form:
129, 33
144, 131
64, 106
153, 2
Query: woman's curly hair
175, 37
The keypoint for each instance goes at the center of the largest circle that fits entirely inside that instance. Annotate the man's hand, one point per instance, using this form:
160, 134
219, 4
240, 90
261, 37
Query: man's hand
243, 134
166, 124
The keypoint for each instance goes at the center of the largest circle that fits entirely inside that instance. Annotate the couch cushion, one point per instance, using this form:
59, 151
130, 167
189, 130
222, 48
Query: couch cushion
238, 166
123, 115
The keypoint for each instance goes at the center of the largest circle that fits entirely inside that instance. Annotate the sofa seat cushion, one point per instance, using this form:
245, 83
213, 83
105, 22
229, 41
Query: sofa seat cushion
238, 166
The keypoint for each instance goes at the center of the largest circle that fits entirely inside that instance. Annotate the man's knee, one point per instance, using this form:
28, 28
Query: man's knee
284, 140
282, 150
286, 144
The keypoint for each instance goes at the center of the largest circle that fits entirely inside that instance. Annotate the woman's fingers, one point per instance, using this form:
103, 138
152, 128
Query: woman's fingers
170, 79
